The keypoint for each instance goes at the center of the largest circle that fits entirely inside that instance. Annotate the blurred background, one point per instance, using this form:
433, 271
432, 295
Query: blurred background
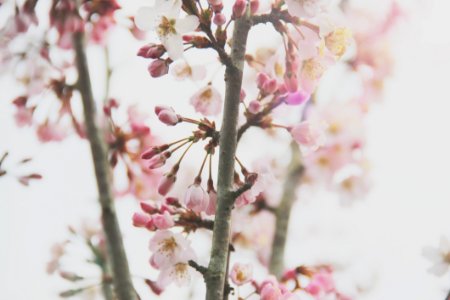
377, 240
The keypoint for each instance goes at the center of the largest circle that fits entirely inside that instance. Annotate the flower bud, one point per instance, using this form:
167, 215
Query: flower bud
141, 220
219, 19
166, 115
254, 106
239, 8
166, 184
158, 68
157, 161
163, 221
148, 208
254, 5
151, 51
196, 198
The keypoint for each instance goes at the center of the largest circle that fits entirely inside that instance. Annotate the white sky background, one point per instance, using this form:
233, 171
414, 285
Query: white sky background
378, 240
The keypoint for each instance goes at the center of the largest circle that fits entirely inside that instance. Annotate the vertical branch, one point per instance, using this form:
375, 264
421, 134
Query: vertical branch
215, 277
116, 253
283, 211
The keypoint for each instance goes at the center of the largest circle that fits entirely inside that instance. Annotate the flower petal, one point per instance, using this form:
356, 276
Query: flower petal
174, 45
187, 24
145, 18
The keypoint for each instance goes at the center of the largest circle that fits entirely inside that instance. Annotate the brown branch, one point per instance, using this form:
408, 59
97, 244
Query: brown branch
283, 211
116, 253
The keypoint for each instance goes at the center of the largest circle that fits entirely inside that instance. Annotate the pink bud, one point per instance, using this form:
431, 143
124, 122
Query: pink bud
217, 8
160, 108
168, 117
151, 51
242, 95
211, 209
270, 86
254, 106
196, 198
172, 201
157, 161
215, 2
297, 98
254, 5
149, 153
163, 221
148, 208
291, 82
166, 184
239, 8
219, 19
140, 220
158, 68
261, 79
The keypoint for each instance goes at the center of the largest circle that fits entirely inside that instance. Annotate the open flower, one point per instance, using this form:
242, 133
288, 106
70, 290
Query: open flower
306, 8
167, 247
181, 70
440, 257
164, 19
241, 273
308, 135
207, 101
179, 272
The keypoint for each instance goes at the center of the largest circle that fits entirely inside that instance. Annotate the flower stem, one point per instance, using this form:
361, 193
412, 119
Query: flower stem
215, 277
123, 286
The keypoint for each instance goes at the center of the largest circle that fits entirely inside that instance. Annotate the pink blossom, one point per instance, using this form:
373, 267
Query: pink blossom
164, 18
196, 198
50, 132
163, 221
254, 106
178, 272
308, 135
158, 68
239, 8
296, 98
321, 283
241, 273
207, 101
211, 209
219, 19
151, 51
180, 69
166, 184
168, 247
167, 115
157, 161
306, 8
140, 220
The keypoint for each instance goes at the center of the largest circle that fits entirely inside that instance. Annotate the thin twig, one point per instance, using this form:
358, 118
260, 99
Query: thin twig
116, 253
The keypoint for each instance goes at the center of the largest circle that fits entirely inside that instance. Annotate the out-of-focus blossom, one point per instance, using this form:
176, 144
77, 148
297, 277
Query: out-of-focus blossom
207, 101
440, 257
241, 273
308, 135
306, 8
180, 69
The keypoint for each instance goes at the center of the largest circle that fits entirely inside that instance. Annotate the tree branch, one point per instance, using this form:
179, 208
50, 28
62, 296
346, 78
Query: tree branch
283, 211
116, 254
215, 279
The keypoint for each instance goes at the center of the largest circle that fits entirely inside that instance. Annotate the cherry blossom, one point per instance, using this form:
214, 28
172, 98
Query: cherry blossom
207, 101
440, 257
241, 273
168, 248
306, 8
164, 19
